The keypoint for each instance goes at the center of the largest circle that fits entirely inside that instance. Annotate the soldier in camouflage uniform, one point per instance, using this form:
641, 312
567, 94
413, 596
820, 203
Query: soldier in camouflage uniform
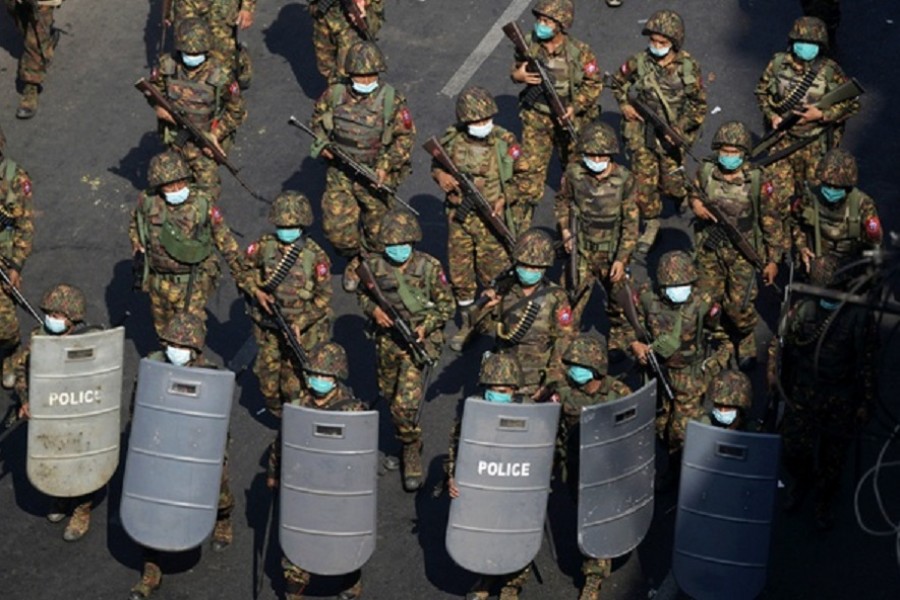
577, 82
413, 283
334, 33
728, 401
668, 80
369, 120
34, 20
184, 337
177, 226
325, 389
725, 273
599, 194
205, 89
292, 270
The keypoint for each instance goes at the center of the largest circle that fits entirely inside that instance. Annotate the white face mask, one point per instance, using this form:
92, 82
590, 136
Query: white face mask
725, 416
178, 356
365, 88
481, 131
54, 325
177, 197
678, 293
193, 60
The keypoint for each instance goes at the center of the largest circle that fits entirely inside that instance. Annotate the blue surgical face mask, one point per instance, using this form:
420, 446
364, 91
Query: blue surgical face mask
495, 396
678, 294
365, 88
659, 52
320, 385
288, 235
177, 197
832, 195
54, 325
596, 166
730, 162
398, 253
480, 131
178, 356
543, 32
805, 50
828, 304
725, 416
528, 276
580, 375
192, 60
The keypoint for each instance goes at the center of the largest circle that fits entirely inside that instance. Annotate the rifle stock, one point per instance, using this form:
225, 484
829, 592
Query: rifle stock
288, 333
357, 19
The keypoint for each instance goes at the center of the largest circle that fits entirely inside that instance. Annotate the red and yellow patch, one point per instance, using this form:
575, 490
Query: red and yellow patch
26, 186
768, 189
406, 118
215, 215
564, 316
873, 229
591, 68
515, 151
234, 89
321, 270
443, 277
624, 68
252, 249
714, 309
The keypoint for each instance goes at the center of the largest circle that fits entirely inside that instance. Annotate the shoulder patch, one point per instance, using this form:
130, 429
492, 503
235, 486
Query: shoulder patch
797, 206
873, 229
321, 270
442, 276
406, 118
564, 315
215, 215
234, 89
26, 185
252, 249
714, 309
624, 68
768, 188
515, 151
591, 68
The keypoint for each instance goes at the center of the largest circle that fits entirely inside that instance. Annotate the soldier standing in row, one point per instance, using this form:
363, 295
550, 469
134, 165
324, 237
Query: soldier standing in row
34, 20
290, 270
666, 79
176, 227
336, 30
728, 401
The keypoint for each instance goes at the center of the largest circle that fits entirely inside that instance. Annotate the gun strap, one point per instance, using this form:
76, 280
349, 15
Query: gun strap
533, 303
283, 268
797, 94
8, 168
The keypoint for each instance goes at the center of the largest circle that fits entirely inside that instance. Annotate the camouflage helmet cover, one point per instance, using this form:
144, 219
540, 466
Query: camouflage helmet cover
809, 29
66, 300
561, 11
475, 104
291, 209
534, 248
666, 23
731, 388
732, 133
364, 58
598, 138
185, 329
500, 369
675, 268
588, 350
838, 168
329, 358
192, 36
167, 167
400, 227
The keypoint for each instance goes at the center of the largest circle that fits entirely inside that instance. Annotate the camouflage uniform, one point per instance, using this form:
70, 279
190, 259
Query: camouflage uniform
208, 94
578, 83
179, 243
729, 398
298, 275
334, 34
34, 20
675, 92
607, 217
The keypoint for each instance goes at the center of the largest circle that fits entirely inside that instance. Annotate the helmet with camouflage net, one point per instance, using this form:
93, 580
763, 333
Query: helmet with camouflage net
291, 209
500, 369
598, 138
329, 358
193, 36
66, 300
667, 23
809, 29
838, 168
185, 329
561, 11
731, 388
588, 350
167, 167
535, 249
675, 268
364, 58
475, 104
400, 226
732, 133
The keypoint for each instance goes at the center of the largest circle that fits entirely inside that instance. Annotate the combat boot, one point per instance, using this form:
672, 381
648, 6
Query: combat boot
58, 511
350, 280
293, 590
28, 104
388, 462
352, 593
646, 240
459, 339
222, 534
412, 466
79, 523
509, 592
591, 589
151, 580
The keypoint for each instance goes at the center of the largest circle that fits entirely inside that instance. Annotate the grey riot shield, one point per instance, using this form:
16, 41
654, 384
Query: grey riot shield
75, 395
173, 468
329, 472
503, 470
726, 501
615, 473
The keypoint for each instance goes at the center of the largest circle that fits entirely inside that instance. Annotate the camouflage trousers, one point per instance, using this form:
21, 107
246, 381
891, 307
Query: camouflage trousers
475, 256
168, 292
325, 49
36, 26
351, 215
401, 383
689, 385
226, 498
225, 48
593, 269
540, 135
654, 173
724, 275
9, 330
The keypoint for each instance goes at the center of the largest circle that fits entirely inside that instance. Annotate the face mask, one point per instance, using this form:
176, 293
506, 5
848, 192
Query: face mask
398, 253
54, 325
678, 294
730, 162
178, 356
192, 60
528, 276
828, 304
365, 88
805, 50
320, 385
495, 396
595, 166
175, 198
288, 235
725, 417
481, 131
543, 32
580, 375
832, 195
659, 52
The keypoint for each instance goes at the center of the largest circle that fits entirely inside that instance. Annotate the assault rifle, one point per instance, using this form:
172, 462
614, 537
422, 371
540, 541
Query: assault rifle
16, 294
769, 419
472, 196
357, 19
355, 167
514, 33
293, 342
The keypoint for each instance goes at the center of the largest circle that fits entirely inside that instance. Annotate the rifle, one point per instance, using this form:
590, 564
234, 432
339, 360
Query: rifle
198, 137
296, 348
429, 371
514, 33
471, 195
16, 294
572, 262
355, 167
356, 18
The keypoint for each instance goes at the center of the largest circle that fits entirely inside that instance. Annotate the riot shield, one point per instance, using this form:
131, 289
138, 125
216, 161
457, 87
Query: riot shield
503, 470
726, 501
173, 468
75, 397
615, 474
329, 472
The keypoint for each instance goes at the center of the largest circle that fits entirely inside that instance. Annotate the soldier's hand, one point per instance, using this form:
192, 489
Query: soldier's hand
806, 255
380, 176
15, 279
327, 154
776, 121
137, 249
568, 240
215, 144
244, 19
770, 272
295, 329
24, 411
521, 74
570, 114
617, 271
164, 115
452, 488
701, 211
809, 114
271, 483
499, 207
447, 183
420, 333
382, 318
493, 299
631, 114
265, 300
640, 351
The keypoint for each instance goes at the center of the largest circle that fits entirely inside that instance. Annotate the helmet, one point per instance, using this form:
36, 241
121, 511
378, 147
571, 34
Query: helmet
167, 167
534, 248
588, 350
66, 300
400, 226
192, 36
185, 329
809, 29
598, 138
291, 209
675, 268
732, 133
329, 358
500, 369
838, 168
731, 388
475, 104
561, 11
667, 23
364, 58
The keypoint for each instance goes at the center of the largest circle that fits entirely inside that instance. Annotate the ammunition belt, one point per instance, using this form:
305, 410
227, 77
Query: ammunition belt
797, 94
523, 326
281, 271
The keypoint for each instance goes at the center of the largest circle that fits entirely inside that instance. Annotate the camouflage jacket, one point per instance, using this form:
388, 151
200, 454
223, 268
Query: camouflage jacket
16, 215
846, 228
578, 79
339, 31
219, 12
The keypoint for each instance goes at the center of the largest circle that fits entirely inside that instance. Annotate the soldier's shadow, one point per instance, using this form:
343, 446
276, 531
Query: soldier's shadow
10, 38
133, 165
281, 37
130, 308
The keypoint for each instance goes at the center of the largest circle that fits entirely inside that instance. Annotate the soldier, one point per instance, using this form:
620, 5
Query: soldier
728, 400
176, 226
415, 286
325, 389
184, 336
34, 20
16, 236
205, 89
292, 271
576, 79
725, 272
668, 81
598, 195
335, 31
370, 121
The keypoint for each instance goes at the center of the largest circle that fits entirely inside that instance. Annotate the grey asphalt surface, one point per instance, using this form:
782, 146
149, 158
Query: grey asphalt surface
87, 151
